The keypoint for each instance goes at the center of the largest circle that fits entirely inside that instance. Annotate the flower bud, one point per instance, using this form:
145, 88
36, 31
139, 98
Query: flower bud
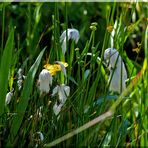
93, 28
8, 98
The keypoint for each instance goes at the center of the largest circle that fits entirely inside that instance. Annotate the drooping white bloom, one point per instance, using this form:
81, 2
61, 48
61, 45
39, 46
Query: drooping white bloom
57, 108
71, 34
63, 92
45, 81
117, 69
8, 98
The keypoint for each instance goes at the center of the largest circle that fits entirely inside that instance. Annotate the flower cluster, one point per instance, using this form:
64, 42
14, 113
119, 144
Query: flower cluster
45, 81
45, 76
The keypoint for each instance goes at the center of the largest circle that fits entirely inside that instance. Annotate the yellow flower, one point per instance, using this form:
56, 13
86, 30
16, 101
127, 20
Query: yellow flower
54, 68
138, 48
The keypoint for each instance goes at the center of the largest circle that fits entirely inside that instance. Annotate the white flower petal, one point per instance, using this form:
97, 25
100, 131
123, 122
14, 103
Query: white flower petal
45, 79
19, 83
111, 55
57, 108
64, 46
40, 135
74, 34
63, 92
55, 90
8, 98
71, 34
20, 72
66, 89
20, 78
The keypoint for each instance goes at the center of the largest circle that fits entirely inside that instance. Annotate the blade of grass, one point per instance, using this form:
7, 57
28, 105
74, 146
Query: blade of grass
4, 70
144, 141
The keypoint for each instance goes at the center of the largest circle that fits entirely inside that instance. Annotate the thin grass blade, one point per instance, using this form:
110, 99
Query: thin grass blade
4, 70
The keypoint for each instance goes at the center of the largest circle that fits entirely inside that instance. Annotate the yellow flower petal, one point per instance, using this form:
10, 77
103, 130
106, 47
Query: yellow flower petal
53, 68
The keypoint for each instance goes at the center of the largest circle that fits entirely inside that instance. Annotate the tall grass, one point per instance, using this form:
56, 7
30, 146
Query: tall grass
91, 116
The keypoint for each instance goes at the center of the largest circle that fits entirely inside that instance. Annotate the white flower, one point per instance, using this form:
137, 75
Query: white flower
8, 98
117, 78
19, 83
20, 78
71, 34
40, 135
45, 79
57, 108
20, 73
63, 92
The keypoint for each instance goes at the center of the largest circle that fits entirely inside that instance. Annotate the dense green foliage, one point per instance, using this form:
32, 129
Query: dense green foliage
30, 38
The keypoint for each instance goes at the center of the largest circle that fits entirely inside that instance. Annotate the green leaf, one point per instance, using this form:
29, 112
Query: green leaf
25, 96
4, 70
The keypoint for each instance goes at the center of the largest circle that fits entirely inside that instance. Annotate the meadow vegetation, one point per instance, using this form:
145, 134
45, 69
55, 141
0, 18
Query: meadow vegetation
75, 107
